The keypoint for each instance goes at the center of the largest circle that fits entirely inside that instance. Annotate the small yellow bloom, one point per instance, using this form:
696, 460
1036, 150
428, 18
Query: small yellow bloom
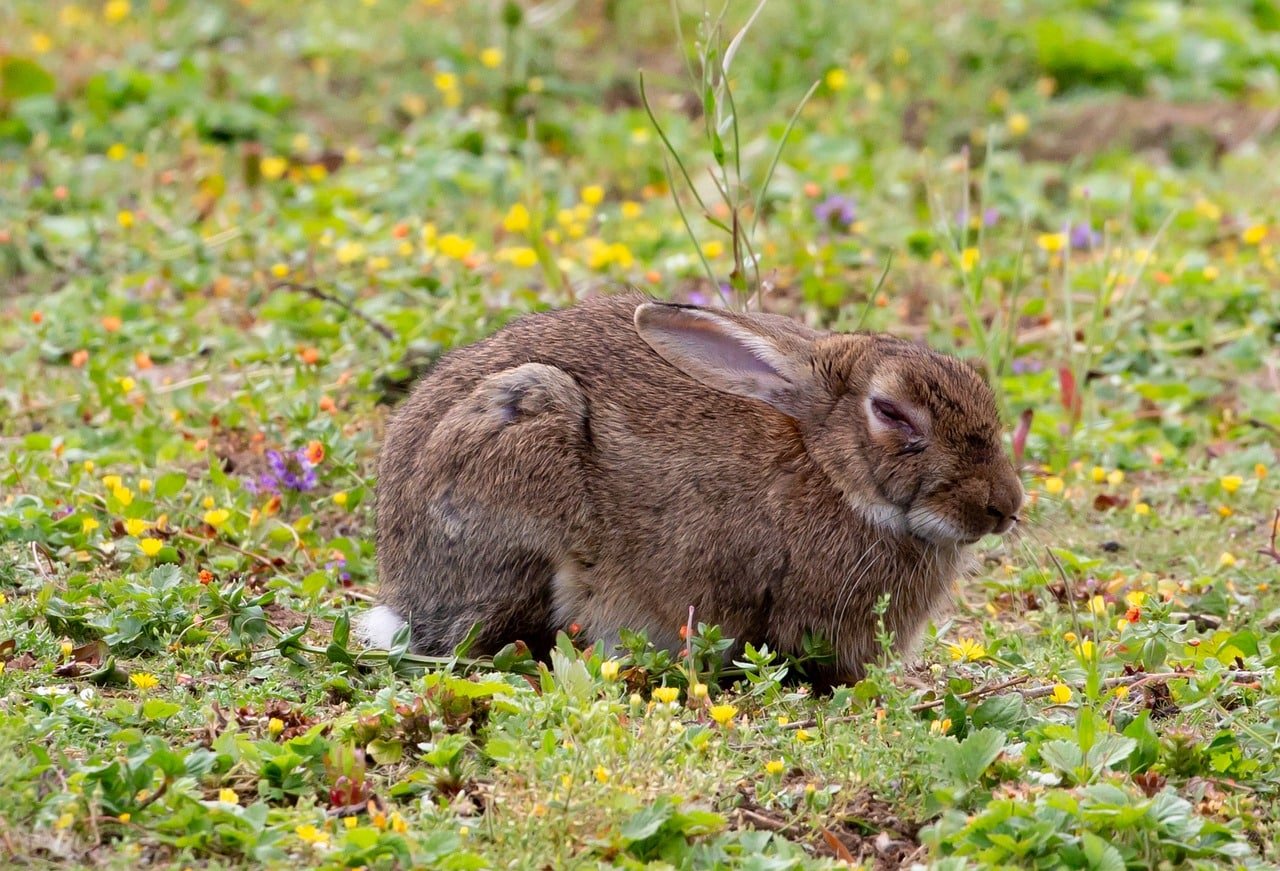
592, 195
1061, 694
1255, 234
536, 85
124, 218
1142, 509
1053, 485
802, 735
150, 546
969, 258
774, 767
135, 526
66, 647
207, 502
783, 719
1115, 477
88, 525
1085, 649
1135, 598
311, 835
125, 817
491, 57
1227, 560
1051, 242
349, 252
967, 650
1018, 124
144, 681
601, 774
1069, 637
522, 256
1097, 474
144, 484
217, 517
1260, 470
123, 495
64, 821
940, 727
666, 695
429, 234
1210, 273
41, 43
446, 82
111, 482
698, 691
631, 209
1225, 511
456, 247
340, 498
116, 10
275, 726
228, 796
837, 79
1098, 606
1122, 692
1230, 483
117, 152
1208, 210
713, 249
273, 167
723, 714
609, 669
379, 264
517, 219
279, 270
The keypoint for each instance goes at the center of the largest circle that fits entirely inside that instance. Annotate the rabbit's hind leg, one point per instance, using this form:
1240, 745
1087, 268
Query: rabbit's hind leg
504, 504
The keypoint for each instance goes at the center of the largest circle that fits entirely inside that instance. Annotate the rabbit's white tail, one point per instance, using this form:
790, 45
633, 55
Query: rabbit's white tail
378, 626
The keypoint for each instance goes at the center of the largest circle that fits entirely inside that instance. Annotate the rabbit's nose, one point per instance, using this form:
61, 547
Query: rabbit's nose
1002, 522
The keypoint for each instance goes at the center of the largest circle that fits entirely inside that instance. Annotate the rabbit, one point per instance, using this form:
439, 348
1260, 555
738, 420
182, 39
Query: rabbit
611, 464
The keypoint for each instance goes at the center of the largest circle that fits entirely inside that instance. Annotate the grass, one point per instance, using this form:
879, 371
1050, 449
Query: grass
232, 232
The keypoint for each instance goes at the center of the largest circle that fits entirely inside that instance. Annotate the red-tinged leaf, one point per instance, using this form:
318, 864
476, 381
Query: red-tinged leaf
92, 653
1020, 435
21, 662
1068, 393
1107, 501
7, 647
838, 848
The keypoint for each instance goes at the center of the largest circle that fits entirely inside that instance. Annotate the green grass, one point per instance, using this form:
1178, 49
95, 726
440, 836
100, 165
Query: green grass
233, 228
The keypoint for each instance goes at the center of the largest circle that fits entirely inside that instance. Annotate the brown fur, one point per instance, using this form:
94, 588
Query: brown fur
579, 467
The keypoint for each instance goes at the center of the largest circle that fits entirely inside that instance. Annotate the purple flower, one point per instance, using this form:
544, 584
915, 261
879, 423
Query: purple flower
836, 212
338, 565
1026, 366
697, 297
990, 217
293, 472
1083, 237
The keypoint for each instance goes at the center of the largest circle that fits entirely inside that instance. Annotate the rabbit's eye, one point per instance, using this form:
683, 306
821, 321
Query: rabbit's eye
893, 416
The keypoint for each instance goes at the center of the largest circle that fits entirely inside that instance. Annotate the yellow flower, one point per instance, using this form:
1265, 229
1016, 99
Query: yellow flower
455, 246
228, 796
1230, 483
144, 484
1061, 694
1255, 234
517, 219
125, 817
713, 249
1069, 637
1085, 649
428, 234
723, 714
1115, 477
592, 195
340, 498
273, 167
609, 669
1051, 242
117, 152
1208, 210
1053, 485
311, 835
446, 82
1210, 273
802, 735
349, 252
1018, 124
126, 384
1225, 511
116, 10
521, 256
279, 270
602, 774
64, 821
1098, 474
1227, 560
940, 727
1098, 606
1142, 509
967, 650
275, 726
379, 264
666, 695
123, 495
124, 218
1122, 692
969, 258
111, 482
150, 546
1260, 470
774, 767
491, 57
698, 691
1135, 598
89, 525
207, 502
217, 517
631, 209
536, 85
144, 681
66, 647
41, 43
135, 526
837, 79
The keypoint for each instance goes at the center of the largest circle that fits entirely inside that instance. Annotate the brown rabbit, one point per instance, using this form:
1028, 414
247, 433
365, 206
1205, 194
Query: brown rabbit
613, 463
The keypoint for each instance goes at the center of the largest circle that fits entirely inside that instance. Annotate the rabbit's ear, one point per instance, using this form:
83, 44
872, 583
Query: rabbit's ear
726, 355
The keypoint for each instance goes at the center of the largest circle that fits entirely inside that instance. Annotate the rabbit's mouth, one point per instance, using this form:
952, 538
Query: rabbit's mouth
926, 524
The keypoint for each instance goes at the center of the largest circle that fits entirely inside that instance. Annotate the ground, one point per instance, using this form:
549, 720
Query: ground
232, 233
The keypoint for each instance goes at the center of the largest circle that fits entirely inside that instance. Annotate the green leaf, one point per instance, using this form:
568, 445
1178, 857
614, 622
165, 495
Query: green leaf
1065, 756
22, 77
967, 760
159, 709
646, 822
1101, 855
170, 485
386, 752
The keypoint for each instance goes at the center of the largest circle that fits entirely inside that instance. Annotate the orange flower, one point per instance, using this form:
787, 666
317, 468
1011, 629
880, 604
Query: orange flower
309, 356
328, 405
1133, 615
315, 452
142, 360
37, 317
400, 230
112, 324
79, 358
